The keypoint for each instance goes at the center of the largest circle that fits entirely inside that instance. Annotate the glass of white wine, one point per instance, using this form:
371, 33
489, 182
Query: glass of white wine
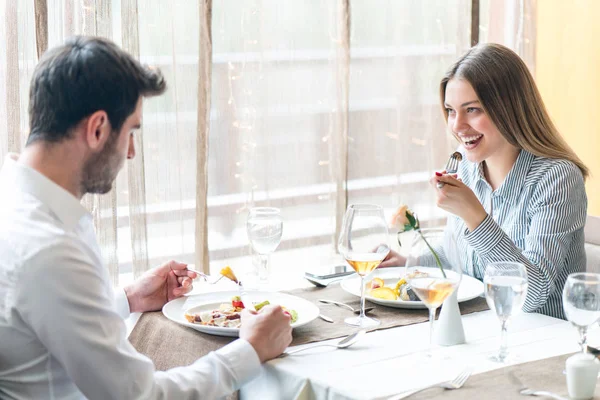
581, 301
264, 226
433, 270
364, 244
505, 291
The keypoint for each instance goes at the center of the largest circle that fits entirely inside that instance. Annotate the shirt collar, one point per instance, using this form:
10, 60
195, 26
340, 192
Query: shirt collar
62, 203
512, 186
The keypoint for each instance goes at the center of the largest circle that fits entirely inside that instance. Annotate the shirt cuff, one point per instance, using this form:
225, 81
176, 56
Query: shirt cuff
242, 361
121, 303
486, 236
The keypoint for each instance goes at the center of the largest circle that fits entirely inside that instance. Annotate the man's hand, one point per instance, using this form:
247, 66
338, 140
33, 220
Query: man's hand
158, 286
269, 332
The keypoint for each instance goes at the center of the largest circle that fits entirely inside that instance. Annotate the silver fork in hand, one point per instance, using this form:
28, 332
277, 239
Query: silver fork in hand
451, 165
455, 383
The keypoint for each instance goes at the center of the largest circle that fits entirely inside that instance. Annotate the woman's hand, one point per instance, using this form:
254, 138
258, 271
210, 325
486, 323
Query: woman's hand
393, 259
458, 199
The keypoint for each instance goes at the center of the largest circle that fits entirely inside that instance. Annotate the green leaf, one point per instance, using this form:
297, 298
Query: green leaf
293, 315
411, 220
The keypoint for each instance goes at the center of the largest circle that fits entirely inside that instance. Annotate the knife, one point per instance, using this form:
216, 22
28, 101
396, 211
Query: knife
248, 304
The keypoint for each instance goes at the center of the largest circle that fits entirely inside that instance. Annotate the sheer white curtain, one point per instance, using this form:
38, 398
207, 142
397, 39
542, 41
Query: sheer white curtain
302, 105
511, 23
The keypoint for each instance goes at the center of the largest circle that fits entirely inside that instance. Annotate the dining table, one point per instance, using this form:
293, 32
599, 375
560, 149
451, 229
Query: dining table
391, 359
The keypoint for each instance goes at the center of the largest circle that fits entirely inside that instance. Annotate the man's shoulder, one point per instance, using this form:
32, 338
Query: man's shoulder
29, 231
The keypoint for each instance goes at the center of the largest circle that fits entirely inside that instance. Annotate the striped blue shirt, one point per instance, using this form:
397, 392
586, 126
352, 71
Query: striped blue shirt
535, 217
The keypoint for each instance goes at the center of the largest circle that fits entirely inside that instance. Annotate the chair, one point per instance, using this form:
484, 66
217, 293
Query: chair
592, 243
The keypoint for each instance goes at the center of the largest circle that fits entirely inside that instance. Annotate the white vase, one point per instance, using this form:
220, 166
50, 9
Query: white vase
449, 328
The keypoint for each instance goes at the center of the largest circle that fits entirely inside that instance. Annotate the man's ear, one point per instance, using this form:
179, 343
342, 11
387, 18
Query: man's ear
97, 130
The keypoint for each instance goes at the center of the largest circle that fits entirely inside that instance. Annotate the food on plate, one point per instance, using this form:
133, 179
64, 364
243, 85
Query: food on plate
228, 315
227, 272
401, 290
384, 293
377, 283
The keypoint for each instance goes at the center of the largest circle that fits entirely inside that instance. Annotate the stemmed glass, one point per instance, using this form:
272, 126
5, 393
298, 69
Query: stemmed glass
433, 270
581, 301
363, 243
264, 226
505, 291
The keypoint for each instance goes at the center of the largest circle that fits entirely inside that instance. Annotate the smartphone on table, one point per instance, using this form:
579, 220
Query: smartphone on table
329, 272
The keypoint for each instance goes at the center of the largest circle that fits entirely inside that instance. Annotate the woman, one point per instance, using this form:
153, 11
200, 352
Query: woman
519, 195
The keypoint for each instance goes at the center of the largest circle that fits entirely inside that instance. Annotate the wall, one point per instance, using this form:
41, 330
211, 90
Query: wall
568, 75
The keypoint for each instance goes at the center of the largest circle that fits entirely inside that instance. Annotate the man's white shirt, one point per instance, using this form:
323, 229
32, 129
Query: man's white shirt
62, 334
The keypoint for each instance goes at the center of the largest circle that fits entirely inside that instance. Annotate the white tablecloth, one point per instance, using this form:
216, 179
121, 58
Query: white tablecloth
390, 361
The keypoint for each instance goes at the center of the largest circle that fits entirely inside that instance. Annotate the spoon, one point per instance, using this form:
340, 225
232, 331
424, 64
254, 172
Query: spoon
342, 344
348, 306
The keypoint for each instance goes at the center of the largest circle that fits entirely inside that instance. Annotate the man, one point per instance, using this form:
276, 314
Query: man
61, 329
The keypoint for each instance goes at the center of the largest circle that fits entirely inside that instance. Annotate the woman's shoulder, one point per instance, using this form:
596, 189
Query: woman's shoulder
543, 168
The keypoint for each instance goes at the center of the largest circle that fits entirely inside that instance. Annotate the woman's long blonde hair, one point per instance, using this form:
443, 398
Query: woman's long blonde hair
509, 96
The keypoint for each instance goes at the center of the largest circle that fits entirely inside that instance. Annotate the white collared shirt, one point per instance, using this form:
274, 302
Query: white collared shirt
62, 334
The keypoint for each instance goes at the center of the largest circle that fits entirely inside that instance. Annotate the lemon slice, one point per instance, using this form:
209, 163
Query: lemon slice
385, 293
228, 273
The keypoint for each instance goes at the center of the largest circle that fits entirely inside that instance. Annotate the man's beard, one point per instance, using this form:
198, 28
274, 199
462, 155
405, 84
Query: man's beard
100, 171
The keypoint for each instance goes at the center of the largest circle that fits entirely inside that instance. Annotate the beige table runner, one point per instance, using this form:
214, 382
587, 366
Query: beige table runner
171, 345
499, 385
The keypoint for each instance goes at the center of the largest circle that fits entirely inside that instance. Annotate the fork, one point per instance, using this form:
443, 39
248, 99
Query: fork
451, 166
455, 383
207, 278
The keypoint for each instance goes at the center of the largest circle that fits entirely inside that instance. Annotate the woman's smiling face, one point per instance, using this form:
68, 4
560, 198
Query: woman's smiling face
470, 124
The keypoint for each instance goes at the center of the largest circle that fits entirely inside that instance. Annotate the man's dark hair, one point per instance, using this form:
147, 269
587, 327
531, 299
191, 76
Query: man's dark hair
80, 77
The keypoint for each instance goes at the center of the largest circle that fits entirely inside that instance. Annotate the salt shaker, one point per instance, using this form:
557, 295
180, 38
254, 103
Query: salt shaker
582, 375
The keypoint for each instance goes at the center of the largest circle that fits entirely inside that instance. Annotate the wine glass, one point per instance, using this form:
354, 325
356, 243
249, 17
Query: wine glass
433, 270
505, 291
581, 301
363, 243
264, 227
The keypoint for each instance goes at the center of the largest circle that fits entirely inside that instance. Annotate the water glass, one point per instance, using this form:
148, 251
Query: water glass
581, 302
264, 226
505, 291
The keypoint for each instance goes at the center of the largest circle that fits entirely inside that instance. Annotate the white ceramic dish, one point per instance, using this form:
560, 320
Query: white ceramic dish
175, 309
469, 288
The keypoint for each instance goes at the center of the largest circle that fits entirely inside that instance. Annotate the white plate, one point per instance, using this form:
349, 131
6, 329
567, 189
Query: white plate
469, 288
175, 309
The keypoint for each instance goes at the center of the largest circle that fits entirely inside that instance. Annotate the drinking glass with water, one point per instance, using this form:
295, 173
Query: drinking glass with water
264, 226
505, 291
581, 301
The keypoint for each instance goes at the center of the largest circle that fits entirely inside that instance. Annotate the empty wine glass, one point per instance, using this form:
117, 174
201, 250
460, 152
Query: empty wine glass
581, 301
433, 271
505, 291
363, 243
264, 226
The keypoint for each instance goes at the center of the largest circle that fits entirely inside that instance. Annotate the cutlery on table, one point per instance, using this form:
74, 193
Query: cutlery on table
525, 391
348, 306
455, 383
342, 344
325, 318
451, 166
529, 392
